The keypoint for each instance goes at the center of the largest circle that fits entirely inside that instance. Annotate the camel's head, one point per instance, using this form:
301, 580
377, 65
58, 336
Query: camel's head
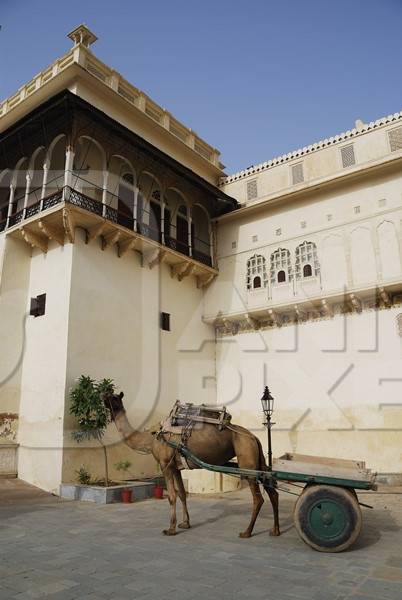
114, 403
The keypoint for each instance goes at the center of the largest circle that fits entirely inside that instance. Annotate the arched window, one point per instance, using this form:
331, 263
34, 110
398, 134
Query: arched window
126, 201
256, 272
307, 264
281, 276
281, 268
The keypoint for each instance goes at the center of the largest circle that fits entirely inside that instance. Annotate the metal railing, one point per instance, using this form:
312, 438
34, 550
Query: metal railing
199, 249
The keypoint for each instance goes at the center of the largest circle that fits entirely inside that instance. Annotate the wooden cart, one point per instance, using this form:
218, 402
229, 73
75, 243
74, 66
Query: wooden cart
327, 514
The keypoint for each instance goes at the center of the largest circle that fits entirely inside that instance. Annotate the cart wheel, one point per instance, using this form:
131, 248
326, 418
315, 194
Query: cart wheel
328, 518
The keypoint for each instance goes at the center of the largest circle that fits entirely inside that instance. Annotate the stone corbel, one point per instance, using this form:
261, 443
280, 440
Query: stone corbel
95, 231
326, 308
51, 233
69, 225
251, 322
35, 240
385, 297
182, 270
273, 317
355, 302
111, 239
230, 326
156, 257
205, 279
126, 245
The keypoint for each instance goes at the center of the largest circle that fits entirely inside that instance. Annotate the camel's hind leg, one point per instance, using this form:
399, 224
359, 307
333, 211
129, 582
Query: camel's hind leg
169, 478
258, 501
182, 495
274, 497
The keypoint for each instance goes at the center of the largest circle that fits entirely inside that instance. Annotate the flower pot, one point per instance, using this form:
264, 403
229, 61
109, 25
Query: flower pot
158, 492
126, 496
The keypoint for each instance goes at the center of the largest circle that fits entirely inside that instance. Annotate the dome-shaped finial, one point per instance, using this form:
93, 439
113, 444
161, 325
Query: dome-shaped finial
82, 35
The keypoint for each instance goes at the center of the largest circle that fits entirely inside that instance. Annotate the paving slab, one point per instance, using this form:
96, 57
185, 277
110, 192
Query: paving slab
62, 550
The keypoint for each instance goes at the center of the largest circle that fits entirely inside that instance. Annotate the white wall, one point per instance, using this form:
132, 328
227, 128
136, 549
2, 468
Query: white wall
337, 386
40, 433
114, 332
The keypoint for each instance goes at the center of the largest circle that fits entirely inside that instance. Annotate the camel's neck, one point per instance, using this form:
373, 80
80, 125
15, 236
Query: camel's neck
137, 440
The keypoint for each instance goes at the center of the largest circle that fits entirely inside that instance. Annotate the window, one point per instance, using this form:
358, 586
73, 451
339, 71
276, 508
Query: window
255, 238
234, 245
303, 224
297, 173
278, 231
165, 321
357, 210
348, 156
329, 217
38, 306
256, 272
281, 268
307, 264
281, 276
395, 139
252, 191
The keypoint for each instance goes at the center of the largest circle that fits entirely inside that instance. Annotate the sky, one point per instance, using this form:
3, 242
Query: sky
254, 79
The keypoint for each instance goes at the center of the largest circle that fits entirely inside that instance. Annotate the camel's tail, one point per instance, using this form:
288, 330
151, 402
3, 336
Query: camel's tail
263, 464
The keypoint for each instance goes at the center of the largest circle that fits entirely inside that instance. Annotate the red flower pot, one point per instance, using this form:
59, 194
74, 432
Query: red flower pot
126, 496
158, 492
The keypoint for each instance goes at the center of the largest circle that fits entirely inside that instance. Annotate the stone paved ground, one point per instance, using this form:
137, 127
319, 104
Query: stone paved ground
65, 550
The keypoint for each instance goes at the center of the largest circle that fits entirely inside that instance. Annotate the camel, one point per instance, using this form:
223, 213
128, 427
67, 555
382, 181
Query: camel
211, 445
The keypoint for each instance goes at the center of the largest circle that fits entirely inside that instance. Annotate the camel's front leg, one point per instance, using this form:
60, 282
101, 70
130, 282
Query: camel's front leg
168, 473
274, 497
258, 501
182, 495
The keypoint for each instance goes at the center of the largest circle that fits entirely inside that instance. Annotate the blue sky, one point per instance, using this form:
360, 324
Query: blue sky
255, 79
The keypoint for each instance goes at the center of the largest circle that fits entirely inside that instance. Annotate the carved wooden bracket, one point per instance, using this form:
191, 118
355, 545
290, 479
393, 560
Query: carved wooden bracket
156, 257
51, 232
95, 231
355, 302
251, 322
69, 225
230, 326
205, 279
111, 239
182, 270
273, 317
326, 308
126, 245
385, 297
34, 240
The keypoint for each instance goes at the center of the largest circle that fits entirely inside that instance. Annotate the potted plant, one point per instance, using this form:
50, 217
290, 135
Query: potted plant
92, 416
126, 493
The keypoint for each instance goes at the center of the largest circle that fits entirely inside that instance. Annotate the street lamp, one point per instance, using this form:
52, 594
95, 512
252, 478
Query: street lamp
267, 403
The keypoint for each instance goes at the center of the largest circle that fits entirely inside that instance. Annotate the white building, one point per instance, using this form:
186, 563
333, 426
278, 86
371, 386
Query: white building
287, 273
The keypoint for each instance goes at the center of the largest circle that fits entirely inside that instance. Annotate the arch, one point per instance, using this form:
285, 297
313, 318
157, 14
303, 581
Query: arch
98, 145
281, 276
306, 254
307, 270
362, 256
127, 162
201, 233
334, 267
177, 219
19, 182
389, 250
36, 175
5, 181
125, 200
280, 268
256, 272
256, 282
53, 143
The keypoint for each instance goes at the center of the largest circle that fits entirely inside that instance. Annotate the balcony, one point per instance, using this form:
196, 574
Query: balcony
57, 215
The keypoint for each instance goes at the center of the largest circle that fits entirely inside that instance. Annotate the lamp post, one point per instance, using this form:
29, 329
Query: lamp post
267, 403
